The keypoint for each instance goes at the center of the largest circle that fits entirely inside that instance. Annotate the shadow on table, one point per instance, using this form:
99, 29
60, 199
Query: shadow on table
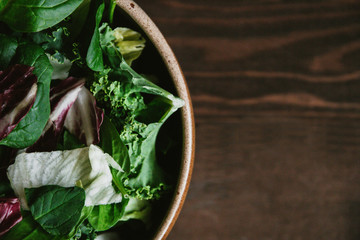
354, 221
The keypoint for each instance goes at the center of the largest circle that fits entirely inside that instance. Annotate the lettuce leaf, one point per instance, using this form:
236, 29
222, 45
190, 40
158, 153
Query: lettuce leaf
85, 118
129, 42
10, 214
62, 98
17, 96
86, 167
138, 209
31, 126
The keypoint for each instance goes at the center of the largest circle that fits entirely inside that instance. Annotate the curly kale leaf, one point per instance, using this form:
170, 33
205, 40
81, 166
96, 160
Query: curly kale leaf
120, 90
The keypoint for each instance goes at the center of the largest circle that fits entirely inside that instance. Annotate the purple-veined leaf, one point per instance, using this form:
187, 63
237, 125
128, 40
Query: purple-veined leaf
84, 118
10, 214
18, 86
62, 97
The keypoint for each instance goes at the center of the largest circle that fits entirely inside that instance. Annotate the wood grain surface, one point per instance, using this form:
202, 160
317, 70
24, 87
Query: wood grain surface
276, 93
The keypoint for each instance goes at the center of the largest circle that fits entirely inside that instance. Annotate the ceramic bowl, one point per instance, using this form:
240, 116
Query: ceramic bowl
182, 126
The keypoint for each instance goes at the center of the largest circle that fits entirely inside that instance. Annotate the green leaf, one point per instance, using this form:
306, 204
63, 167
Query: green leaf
6, 190
8, 46
49, 40
28, 229
111, 143
87, 167
119, 65
85, 212
103, 217
3, 3
94, 58
119, 90
75, 24
70, 142
129, 43
36, 15
31, 126
147, 178
138, 209
85, 232
56, 209
111, 11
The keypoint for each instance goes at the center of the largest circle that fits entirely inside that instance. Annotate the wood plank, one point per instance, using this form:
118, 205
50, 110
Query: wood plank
276, 93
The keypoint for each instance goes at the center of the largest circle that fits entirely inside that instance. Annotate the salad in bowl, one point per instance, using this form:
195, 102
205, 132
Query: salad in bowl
79, 127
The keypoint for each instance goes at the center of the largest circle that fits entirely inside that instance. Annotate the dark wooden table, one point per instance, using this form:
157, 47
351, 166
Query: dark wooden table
276, 93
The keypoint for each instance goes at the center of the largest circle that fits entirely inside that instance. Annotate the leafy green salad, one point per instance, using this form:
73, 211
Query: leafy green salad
78, 126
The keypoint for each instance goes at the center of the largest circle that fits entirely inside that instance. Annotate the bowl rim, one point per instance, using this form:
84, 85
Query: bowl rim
187, 115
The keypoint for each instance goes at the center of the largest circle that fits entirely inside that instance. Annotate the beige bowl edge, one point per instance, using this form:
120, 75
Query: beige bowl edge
154, 34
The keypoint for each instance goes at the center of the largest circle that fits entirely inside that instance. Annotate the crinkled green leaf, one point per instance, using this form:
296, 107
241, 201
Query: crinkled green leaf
85, 232
50, 39
119, 89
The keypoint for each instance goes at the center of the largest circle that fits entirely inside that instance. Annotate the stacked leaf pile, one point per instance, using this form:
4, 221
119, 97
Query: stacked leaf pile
78, 126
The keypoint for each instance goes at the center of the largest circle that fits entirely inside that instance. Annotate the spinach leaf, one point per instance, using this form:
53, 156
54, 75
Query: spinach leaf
103, 217
69, 142
7, 155
77, 19
56, 209
94, 58
31, 126
111, 10
35, 15
28, 229
85, 212
111, 143
8, 46
6, 190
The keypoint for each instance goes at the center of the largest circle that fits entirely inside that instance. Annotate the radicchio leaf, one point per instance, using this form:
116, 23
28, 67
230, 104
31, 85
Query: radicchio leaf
17, 95
84, 118
62, 97
10, 214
